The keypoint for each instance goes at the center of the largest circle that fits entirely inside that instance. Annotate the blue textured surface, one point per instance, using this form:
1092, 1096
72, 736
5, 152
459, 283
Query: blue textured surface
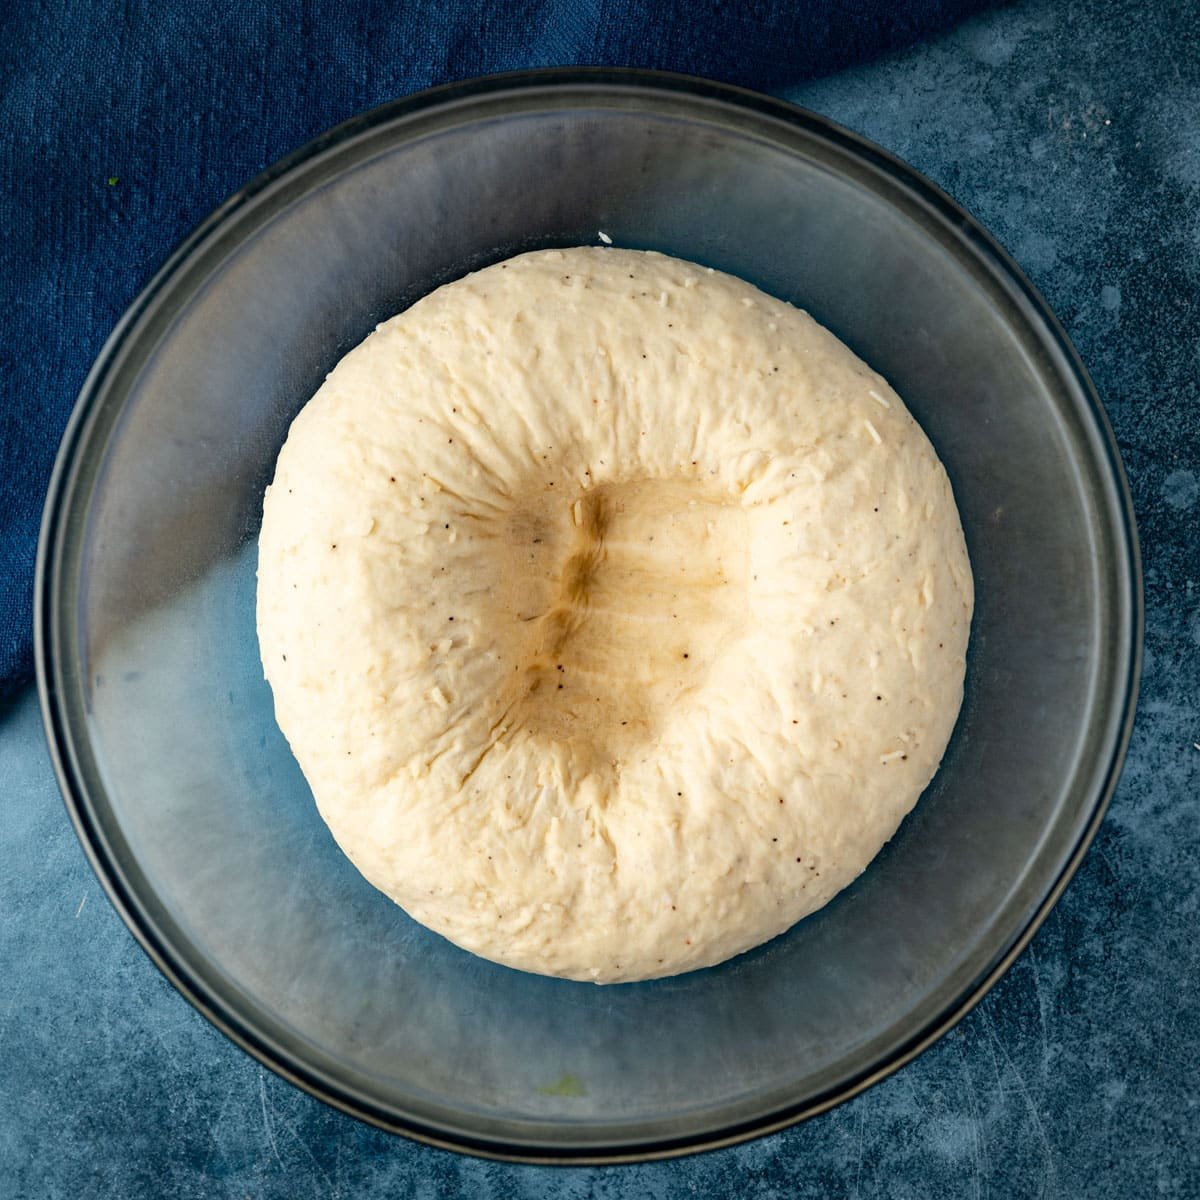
125, 123
1072, 130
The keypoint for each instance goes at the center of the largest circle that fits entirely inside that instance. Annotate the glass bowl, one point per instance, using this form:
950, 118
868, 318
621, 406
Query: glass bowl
184, 792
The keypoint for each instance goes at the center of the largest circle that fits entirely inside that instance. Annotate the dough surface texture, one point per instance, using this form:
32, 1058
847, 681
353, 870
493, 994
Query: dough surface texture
615, 612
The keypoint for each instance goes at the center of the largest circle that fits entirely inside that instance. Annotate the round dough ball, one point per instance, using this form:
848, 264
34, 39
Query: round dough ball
614, 610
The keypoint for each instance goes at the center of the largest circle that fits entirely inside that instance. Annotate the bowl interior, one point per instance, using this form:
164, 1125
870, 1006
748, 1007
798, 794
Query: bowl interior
186, 789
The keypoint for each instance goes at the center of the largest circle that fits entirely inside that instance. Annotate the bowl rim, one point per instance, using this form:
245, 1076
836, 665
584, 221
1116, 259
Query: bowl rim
53, 678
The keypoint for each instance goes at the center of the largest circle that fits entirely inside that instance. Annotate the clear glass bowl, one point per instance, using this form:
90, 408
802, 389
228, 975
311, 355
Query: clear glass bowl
184, 792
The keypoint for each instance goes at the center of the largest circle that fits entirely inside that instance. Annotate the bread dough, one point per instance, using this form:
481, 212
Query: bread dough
614, 610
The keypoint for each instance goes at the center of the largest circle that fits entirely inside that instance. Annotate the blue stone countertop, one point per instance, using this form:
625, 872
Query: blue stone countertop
1071, 129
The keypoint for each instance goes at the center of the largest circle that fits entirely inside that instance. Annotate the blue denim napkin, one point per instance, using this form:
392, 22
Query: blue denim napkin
123, 122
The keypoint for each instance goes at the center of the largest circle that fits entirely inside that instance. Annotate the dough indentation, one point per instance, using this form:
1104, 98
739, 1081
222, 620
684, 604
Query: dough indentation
638, 587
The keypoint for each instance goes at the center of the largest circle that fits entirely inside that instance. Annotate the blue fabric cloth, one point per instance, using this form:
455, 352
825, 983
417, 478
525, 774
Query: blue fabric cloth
122, 123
